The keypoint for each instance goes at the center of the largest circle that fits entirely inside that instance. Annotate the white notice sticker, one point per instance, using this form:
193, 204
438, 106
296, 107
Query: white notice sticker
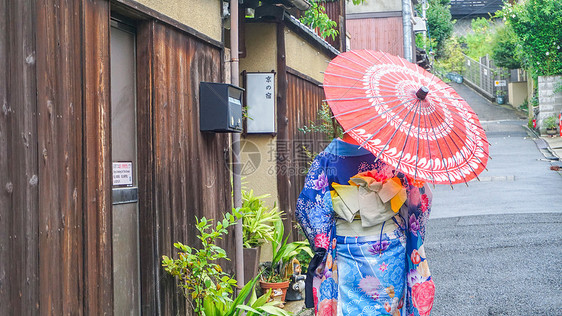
123, 173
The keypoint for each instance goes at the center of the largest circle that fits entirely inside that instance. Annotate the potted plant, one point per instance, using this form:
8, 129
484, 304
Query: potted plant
550, 125
203, 282
500, 96
274, 273
257, 228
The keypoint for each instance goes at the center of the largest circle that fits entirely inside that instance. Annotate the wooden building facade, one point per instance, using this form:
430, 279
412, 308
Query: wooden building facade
378, 25
58, 210
298, 57
94, 88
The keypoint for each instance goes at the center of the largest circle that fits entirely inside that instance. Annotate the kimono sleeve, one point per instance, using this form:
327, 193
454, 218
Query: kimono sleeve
314, 210
420, 286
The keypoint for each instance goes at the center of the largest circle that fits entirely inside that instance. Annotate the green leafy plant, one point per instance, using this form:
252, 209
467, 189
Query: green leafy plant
316, 18
327, 126
282, 254
479, 42
262, 305
505, 51
203, 282
199, 276
453, 59
439, 22
255, 305
534, 100
233, 307
550, 122
425, 42
257, 223
536, 24
500, 93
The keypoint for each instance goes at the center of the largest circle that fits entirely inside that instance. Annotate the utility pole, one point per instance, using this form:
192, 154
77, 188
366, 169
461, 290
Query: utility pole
407, 29
236, 166
425, 6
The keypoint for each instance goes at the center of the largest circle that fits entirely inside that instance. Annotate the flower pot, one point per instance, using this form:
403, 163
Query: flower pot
455, 77
458, 78
279, 289
500, 99
251, 263
551, 131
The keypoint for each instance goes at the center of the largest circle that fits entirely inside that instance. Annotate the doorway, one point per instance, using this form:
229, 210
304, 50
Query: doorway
125, 218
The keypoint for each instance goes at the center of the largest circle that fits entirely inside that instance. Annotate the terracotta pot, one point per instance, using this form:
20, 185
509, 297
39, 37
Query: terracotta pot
279, 289
251, 263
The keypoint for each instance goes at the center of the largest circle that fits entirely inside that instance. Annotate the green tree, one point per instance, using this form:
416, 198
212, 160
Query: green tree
452, 59
316, 18
505, 51
439, 22
537, 25
479, 42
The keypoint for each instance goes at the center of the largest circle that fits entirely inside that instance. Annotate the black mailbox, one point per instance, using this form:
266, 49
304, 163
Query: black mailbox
220, 107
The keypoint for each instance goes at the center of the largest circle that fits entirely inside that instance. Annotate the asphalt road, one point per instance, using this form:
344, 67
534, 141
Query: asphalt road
495, 245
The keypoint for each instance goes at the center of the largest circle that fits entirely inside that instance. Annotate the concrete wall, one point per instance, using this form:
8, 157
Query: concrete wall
204, 16
550, 104
374, 6
305, 58
517, 93
261, 56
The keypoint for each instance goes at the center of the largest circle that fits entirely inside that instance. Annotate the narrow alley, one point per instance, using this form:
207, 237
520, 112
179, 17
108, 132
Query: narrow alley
494, 244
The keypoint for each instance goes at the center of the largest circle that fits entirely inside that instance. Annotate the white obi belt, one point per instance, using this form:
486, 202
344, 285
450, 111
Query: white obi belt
369, 199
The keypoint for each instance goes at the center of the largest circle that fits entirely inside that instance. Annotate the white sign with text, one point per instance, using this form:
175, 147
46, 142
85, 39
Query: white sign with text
123, 173
260, 100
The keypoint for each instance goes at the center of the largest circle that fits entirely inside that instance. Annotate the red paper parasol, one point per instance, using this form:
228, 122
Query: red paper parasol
406, 116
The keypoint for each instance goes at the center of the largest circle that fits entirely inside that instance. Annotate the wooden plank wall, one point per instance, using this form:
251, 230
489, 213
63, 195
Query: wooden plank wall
49, 98
55, 164
19, 191
190, 177
304, 99
96, 163
59, 120
384, 34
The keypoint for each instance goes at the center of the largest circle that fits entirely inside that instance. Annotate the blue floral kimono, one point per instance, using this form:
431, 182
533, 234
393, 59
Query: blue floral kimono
383, 274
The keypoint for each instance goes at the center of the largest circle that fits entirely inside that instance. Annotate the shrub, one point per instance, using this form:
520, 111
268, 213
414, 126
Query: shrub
316, 17
453, 58
537, 24
505, 51
479, 42
549, 122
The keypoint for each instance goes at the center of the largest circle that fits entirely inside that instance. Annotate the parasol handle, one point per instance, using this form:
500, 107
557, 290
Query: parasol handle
422, 93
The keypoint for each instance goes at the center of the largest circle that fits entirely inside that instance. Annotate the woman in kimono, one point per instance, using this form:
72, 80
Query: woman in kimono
366, 224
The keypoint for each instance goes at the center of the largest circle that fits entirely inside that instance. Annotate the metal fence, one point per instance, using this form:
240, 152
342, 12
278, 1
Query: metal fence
485, 77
